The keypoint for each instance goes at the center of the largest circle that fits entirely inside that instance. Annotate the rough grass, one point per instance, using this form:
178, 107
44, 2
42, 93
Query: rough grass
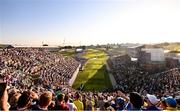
174, 47
94, 76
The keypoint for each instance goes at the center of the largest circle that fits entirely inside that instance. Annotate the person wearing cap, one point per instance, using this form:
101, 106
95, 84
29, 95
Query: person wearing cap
151, 102
120, 104
171, 103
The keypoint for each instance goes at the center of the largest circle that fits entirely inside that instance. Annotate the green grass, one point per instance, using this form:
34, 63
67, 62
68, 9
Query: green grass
67, 53
94, 76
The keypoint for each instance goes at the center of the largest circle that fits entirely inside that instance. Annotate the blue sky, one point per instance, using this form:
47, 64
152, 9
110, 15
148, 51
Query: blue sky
31, 22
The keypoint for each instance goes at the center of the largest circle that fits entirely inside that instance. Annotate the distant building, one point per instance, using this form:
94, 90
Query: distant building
152, 59
134, 51
124, 59
77, 50
154, 54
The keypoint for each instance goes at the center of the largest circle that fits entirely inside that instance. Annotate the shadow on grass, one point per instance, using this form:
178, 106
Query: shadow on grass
99, 81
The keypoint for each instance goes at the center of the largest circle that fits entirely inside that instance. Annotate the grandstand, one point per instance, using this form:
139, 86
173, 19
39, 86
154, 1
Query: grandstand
41, 76
48, 67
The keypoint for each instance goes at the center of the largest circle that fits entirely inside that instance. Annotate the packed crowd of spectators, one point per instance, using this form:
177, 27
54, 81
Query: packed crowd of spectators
139, 90
130, 77
24, 66
69, 99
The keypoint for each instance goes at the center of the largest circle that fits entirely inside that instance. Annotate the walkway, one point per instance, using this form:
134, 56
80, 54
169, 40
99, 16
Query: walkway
113, 81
